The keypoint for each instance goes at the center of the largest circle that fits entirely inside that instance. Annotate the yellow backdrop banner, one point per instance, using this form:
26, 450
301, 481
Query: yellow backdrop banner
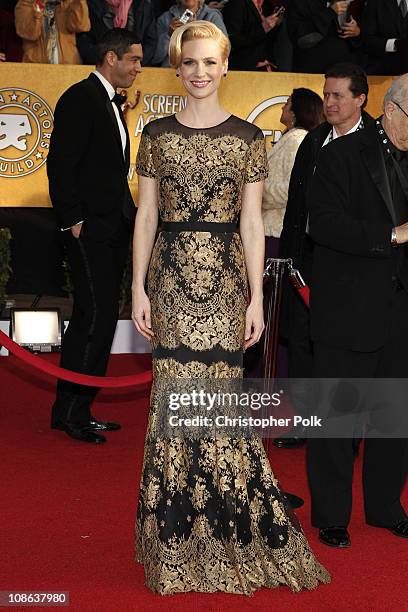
29, 93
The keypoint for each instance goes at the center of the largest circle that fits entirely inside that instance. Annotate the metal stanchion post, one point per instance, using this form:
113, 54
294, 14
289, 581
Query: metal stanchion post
273, 277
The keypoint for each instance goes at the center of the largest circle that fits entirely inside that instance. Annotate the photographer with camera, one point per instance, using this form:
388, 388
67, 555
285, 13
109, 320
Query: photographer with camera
179, 14
48, 28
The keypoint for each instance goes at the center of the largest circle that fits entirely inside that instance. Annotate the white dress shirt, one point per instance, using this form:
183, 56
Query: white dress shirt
333, 135
111, 93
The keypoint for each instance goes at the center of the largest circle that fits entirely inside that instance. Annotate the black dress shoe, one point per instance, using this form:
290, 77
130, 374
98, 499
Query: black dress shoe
400, 529
289, 442
83, 434
96, 425
338, 537
294, 500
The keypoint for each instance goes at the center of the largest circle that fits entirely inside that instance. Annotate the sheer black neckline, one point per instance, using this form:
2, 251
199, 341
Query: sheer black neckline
211, 127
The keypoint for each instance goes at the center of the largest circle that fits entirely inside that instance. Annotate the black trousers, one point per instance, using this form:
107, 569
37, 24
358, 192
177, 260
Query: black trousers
96, 270
330, 461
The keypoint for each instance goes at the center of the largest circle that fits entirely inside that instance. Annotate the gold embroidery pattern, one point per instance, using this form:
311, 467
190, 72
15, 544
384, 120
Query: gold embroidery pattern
201, 177
171, 368
255, 161
210, 516
144, 161
198, 290
220, 524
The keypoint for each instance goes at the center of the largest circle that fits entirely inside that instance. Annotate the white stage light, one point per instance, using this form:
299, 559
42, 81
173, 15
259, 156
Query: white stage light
36, 330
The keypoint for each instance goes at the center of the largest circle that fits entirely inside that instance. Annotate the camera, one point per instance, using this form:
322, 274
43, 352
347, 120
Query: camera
186, 16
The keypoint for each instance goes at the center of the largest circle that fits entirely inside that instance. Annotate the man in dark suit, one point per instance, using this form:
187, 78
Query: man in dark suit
384, 32
141, 21
87, 165
318, 39
359, 305
248, 29
345, 96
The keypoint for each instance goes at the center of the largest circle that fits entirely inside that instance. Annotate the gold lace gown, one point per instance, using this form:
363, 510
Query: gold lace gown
210, 514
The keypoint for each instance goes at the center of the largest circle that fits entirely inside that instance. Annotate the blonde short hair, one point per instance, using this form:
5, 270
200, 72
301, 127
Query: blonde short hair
191, 31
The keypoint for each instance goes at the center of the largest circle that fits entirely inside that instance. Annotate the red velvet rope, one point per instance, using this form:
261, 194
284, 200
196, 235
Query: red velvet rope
69, 375
305, 294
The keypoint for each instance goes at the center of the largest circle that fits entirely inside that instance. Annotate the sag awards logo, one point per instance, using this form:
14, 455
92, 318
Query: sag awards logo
156, 106
26, 123
270, 110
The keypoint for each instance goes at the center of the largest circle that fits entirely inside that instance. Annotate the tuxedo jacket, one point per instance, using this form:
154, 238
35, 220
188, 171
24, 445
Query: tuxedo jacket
86, 168
351, 218
382, 20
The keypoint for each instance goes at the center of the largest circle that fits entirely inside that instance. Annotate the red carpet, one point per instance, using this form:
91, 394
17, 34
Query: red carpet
68, 512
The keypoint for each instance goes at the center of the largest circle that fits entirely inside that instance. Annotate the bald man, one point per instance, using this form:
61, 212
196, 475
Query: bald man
359, 311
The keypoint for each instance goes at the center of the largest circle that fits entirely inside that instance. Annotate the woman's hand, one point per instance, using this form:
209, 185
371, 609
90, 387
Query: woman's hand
141, 314
350, 29
266, 65
268, 23
174, 24
254, 323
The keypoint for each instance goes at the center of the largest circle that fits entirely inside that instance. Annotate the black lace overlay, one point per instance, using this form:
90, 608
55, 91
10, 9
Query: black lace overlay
210, 516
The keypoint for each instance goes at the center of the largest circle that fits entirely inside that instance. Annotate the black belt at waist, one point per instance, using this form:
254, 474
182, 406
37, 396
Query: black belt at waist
198, 226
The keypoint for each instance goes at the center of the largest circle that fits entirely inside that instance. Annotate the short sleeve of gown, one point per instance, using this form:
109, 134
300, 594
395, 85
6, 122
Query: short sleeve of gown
257, 163
144, 159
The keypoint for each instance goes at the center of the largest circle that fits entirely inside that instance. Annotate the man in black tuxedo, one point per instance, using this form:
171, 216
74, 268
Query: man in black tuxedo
87, 165
359, 306
345, 96
384, 32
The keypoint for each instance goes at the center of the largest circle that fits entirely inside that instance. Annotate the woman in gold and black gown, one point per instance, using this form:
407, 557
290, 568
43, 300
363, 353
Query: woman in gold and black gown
211, 516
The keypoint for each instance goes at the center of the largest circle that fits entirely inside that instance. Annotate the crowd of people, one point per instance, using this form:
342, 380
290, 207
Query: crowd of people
285, 35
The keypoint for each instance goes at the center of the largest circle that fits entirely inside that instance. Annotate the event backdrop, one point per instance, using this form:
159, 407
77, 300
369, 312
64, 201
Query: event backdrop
29, 92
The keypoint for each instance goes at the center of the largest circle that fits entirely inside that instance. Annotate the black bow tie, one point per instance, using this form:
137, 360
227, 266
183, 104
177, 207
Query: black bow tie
118, 99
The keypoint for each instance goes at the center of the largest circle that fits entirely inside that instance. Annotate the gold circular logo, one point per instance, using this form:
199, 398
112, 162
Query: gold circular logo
26, 123
270, 110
